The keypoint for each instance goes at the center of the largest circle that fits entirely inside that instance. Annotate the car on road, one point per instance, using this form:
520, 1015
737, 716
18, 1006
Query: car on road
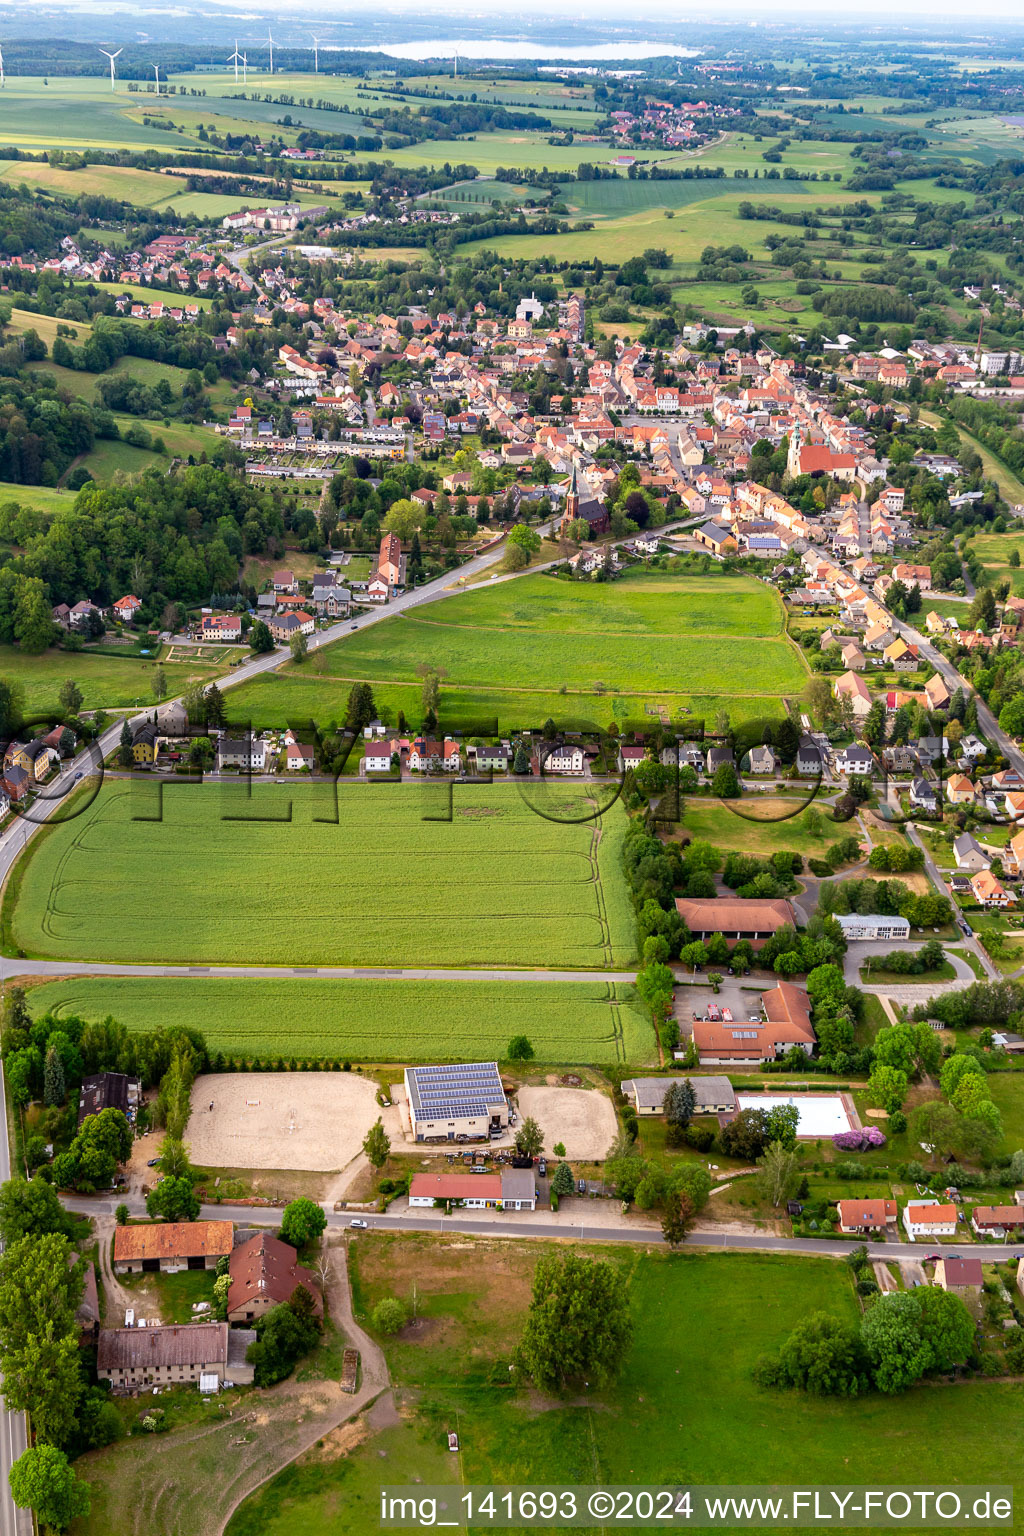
358, 1222
353, 626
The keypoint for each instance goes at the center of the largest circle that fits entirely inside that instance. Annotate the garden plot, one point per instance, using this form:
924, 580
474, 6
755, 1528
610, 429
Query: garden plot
313, 1121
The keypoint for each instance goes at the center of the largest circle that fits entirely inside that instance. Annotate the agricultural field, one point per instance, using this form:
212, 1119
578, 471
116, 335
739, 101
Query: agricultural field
495, 885
572, 1023
695, 1317
78, 112
107, 682
568, 650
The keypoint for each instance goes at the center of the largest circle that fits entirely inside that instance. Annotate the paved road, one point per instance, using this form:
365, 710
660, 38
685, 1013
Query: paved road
13, 1426
987, 723
935, 876
10, 968
589, 1229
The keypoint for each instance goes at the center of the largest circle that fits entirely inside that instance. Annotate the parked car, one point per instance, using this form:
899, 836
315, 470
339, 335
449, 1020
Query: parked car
154, 1162
542, 1168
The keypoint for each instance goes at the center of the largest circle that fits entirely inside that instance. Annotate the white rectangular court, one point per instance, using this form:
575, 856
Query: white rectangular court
821, 1114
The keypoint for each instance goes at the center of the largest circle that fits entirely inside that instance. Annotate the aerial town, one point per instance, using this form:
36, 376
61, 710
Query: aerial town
512, 779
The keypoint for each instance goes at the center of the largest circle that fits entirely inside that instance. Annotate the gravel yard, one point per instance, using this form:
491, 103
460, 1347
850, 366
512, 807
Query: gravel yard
582, 1118
314, 1121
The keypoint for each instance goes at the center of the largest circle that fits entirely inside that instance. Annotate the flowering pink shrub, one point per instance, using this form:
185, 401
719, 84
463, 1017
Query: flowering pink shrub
859, 1141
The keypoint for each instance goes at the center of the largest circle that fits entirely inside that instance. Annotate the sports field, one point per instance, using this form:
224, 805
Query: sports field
275, 880
568, 1022
537, 647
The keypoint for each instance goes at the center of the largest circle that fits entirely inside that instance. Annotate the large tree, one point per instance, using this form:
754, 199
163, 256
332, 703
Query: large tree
895, 1339
40, 1290
30, 1208
822, 1355
42, 1480
174, 1200
578, 1327
679, 1103
778, 1166
283, 1336
303, 1220
377, 1144
529, 1138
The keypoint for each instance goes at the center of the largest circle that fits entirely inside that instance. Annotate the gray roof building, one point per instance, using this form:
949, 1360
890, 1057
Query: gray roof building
713, 1095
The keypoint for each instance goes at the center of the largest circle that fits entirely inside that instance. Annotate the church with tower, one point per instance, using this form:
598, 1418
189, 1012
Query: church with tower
592, 511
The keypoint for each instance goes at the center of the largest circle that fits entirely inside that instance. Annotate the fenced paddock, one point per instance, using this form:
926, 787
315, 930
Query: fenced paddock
313, 1121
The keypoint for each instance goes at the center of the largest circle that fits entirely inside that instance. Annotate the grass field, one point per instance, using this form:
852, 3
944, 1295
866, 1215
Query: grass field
536, 647
387, 883
758, 826
105, 681
571, 1023
696, 1319
42, 497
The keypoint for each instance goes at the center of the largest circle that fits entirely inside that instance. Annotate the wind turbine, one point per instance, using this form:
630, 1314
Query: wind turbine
235, 59
316, 55
456, 75
111, 57
270, 40
245, 68
3, 80
156, 69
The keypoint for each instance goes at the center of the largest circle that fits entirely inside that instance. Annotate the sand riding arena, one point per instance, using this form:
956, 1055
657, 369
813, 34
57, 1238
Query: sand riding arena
314, 1121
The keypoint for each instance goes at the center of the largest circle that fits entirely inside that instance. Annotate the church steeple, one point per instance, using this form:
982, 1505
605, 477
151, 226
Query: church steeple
572, 499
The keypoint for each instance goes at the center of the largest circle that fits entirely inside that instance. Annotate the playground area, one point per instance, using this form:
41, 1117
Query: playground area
314, 1121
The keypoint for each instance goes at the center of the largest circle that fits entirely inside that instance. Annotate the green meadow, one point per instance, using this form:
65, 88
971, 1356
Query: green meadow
698, 1320
538, 647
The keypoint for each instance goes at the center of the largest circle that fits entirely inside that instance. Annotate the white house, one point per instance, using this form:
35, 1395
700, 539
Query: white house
563, 759
873, 926
926, 1218
377, 758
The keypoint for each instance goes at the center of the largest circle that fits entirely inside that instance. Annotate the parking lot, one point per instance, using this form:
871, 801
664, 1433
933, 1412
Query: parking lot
741, 998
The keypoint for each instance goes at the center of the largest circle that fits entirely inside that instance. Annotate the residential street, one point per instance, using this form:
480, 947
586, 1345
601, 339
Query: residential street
577, 1221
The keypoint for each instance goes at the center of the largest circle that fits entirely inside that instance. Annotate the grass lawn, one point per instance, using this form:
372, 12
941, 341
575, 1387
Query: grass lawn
168, 1298
42, 497
762, 826
374, 875
106, 681
1007, 1090
944, 972
362, 1020
697, 1318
